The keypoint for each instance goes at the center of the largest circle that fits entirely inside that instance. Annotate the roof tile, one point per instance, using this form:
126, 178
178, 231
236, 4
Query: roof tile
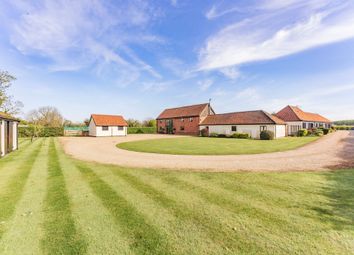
294, 113
184, 111
108, 120
242, 118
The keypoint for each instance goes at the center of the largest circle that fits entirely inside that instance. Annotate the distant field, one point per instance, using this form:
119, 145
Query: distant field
215, 146
53, 204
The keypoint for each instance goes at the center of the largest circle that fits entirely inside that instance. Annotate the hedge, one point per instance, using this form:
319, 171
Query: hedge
344, 127
141, 130
45, 131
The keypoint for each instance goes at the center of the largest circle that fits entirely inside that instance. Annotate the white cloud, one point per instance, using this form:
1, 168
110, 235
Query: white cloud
215, 12
272, 35
174, 3
232, 72
248, 94
205, 84
78, 34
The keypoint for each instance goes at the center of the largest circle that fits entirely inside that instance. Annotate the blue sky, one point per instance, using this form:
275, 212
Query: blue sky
138, 57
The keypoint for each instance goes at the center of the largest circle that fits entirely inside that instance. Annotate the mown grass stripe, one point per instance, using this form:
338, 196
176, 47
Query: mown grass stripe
11, 157
94, 220
145, 238
220, 234
61, 235
13, 192
27, 218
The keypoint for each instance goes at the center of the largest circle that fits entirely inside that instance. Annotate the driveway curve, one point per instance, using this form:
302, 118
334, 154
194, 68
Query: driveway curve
333, 151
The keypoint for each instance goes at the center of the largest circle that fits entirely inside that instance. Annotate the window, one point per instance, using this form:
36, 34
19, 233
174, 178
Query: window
182, 119
304, 125
160, 121
233, 128
120, 128
104, 128
181, 128
190, 119
263, 128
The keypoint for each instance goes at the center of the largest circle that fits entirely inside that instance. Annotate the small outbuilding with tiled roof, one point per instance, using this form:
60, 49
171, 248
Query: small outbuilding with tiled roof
250, 122
297, 119
8, 133
107, 125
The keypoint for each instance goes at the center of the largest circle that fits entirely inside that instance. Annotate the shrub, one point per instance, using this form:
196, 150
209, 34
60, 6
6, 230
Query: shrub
302, 132
318, 132
213, 134
267, 135
204, 132
222, 135
325, 131
240, 135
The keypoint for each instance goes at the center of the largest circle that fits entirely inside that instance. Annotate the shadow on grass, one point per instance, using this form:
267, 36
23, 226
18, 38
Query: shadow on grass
339, 212
346, 153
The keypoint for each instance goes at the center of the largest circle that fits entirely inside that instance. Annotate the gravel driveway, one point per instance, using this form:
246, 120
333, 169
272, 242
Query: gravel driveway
333, 151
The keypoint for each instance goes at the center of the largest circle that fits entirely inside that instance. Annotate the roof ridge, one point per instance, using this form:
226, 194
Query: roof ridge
106, 114
235, 112
186, 106
269, 116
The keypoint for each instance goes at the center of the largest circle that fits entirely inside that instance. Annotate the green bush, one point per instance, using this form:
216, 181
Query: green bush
28, 131
240, 135
318, 132
143, 130
213, 134
222, 135
267, 135
325, 131
302, 132
204, 132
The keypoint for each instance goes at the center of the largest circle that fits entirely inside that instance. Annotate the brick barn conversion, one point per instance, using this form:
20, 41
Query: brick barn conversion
191, 120
297, 119
107, 125
8, 134
183, 120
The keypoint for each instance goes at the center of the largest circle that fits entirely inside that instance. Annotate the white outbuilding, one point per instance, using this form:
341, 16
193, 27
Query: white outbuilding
8, 134
107, 125
250, 122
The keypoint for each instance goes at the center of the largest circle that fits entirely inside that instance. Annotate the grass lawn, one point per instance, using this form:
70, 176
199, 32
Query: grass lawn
53, 204
214, 146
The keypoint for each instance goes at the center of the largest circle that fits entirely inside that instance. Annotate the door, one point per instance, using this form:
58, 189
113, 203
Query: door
9, 136
169, 126
6, 131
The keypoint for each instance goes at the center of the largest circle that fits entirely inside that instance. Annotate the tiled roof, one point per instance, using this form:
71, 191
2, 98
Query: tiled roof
108, 120
184, 111
294, 113
242, 118
7, 116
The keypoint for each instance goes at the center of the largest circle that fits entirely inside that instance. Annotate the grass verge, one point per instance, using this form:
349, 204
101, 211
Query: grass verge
215, 146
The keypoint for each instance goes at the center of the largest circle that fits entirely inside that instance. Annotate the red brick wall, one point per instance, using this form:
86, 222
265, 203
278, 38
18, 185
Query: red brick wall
190, 127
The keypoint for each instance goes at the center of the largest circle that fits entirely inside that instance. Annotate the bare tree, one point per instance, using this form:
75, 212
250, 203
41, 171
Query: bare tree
46, 116
7, 102
149, 123
133, 123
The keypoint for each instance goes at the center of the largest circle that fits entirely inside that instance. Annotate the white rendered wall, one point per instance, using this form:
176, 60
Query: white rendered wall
2, 137
112, 131
14, 135
253, 130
